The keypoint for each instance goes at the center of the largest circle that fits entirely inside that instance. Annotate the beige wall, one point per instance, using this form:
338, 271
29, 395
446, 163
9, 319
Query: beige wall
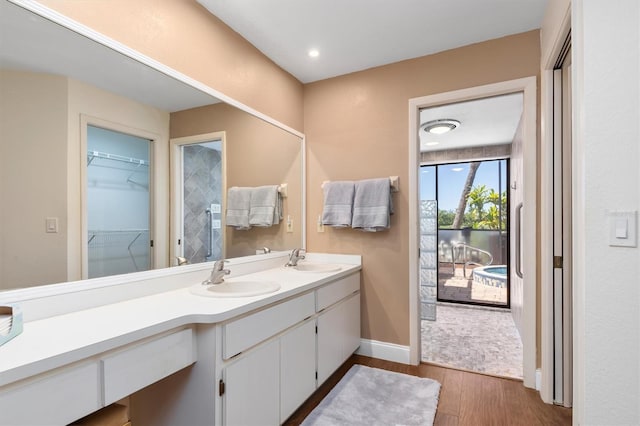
185, 36
257, 153
33, 181
356, 127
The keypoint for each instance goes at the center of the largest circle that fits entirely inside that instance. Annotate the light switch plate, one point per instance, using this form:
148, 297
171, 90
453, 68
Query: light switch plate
622, 228
51, 225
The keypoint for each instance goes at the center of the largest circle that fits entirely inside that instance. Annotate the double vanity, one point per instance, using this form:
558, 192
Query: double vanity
186, 353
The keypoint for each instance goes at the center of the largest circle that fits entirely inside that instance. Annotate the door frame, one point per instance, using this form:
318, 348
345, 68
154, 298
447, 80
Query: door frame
528, 86
154, 138
546, 211
175, 170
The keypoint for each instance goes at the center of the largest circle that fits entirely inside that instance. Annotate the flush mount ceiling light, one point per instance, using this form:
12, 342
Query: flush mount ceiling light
313, 53
439, 127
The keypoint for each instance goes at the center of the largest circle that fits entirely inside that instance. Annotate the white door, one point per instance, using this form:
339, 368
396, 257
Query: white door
562, 210
252, 395
297, 367
338, 336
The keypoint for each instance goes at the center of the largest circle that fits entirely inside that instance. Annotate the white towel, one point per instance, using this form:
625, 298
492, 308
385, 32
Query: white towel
338, 203
372, 205
238, 204
266, 206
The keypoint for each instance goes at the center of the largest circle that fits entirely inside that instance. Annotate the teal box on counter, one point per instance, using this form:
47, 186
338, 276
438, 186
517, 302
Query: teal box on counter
10, 323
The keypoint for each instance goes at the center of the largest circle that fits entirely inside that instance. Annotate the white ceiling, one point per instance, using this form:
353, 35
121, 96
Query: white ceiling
352, 35
488, 121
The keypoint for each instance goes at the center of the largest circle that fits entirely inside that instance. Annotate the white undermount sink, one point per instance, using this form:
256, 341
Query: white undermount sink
235, 289
315, 267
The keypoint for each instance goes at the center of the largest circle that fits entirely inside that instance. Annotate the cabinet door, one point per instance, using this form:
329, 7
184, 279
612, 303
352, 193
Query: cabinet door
297, 367
338, 335
252, 394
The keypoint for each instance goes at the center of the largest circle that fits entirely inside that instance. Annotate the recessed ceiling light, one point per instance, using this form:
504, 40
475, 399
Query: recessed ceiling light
431, 143
439, 127
314, 53
457, 169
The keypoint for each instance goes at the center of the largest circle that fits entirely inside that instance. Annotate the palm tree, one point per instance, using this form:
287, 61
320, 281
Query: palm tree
464, 196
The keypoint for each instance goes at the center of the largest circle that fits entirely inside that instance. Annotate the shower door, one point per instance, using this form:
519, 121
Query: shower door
117, 203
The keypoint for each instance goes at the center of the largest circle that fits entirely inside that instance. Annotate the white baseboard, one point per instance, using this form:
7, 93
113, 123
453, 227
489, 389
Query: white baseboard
538, 379
383, 350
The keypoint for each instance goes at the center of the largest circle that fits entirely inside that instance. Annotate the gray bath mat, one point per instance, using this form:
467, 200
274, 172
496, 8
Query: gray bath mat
370, 396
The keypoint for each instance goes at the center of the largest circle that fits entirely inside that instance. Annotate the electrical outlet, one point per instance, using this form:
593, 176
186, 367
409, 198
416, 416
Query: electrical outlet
289, 224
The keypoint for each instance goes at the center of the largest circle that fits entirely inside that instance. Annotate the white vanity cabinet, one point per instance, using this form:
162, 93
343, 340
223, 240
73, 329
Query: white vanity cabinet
55, 398
338, 324
278, 367
66, 394
187, 360
310, 337
268, 384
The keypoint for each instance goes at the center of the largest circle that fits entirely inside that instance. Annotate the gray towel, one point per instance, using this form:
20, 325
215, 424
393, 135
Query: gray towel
338, 203
238, 203
372, 205
266, 206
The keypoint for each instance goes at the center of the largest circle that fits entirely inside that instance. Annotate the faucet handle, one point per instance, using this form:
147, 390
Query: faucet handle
219, 264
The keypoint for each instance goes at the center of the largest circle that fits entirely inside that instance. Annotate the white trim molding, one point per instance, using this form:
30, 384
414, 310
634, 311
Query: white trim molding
546, 204
384, 350
528, 86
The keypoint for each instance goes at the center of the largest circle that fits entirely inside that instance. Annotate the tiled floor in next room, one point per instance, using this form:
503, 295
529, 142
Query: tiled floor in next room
478, 339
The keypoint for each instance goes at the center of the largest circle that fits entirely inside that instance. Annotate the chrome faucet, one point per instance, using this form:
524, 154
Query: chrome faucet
296, 255
217, 274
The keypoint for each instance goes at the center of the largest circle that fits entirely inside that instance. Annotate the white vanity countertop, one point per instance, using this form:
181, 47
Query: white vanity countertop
60, 340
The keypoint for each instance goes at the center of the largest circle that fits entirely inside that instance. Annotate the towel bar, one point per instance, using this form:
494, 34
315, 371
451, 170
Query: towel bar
393, 183
282, 189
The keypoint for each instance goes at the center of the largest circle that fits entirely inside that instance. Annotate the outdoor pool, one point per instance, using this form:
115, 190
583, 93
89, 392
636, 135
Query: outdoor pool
494, 275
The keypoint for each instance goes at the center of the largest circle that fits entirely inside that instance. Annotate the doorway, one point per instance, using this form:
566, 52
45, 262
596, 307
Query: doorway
525, 181
118, 203
198, 180
472, 230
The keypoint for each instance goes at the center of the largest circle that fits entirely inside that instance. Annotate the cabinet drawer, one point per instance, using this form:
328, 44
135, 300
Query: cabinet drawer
331, 293
134, 368
57, 398
245, 332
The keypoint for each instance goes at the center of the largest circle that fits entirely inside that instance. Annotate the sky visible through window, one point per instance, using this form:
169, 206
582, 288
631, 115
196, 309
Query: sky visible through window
451, 179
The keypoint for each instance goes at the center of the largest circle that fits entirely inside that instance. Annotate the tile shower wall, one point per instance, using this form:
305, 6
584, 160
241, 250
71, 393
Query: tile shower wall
202, 187
428, 259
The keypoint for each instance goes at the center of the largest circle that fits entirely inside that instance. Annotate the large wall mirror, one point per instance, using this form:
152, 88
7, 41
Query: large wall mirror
108, 164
